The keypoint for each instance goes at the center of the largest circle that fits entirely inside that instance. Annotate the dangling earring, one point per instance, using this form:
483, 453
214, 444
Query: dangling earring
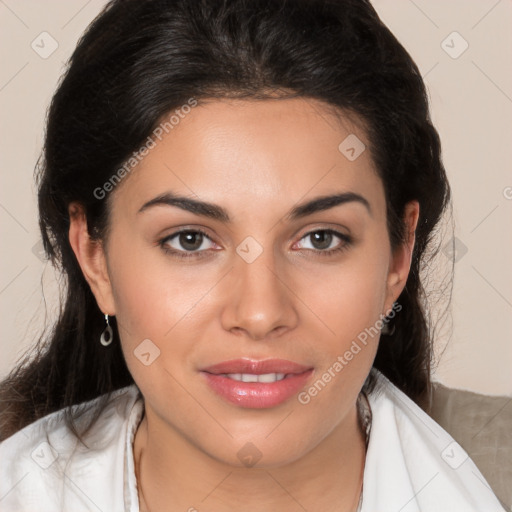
107, 335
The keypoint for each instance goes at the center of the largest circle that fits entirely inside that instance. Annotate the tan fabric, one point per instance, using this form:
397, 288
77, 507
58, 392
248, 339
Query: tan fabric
482, 425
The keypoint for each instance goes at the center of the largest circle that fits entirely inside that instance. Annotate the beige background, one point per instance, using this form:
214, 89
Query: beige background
471, 98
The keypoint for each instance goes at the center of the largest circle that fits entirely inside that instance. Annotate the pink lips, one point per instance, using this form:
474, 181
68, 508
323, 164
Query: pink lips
257, 395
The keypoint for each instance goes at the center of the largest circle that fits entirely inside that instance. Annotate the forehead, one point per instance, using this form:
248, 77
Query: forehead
237, 152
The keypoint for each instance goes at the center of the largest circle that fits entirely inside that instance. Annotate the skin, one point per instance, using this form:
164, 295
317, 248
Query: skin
257, 159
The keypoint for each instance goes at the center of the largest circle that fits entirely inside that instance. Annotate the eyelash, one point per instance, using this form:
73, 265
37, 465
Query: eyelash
189, 254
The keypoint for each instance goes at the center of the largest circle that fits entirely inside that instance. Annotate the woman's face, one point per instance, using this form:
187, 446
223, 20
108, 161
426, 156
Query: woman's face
268, 279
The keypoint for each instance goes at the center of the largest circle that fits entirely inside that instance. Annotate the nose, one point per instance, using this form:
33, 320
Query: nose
260, 303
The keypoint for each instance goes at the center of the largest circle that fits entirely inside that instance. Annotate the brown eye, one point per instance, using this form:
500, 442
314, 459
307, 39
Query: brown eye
321, 239
189, 241
324, 241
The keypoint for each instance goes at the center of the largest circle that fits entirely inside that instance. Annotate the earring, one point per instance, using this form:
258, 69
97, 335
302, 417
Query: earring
107, 335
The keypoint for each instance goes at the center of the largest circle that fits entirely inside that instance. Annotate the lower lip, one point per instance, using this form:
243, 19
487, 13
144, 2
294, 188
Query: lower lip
257, 395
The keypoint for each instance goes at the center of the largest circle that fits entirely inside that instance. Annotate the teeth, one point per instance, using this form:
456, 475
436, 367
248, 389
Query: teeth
250, 377
270, 377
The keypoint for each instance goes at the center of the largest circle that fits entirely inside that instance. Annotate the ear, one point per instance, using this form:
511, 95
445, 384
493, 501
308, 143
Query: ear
401, 257
91, 258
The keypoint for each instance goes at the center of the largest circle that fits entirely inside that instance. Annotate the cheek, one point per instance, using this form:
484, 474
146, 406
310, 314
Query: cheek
349, 296
154, 301
152, 293
350, 306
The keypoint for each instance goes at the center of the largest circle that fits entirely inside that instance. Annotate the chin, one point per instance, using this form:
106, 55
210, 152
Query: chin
258, 452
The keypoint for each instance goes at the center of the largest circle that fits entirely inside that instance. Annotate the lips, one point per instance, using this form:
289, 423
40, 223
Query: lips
236, 382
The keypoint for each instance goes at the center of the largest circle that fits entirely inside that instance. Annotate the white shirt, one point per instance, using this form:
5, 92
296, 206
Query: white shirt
412, 464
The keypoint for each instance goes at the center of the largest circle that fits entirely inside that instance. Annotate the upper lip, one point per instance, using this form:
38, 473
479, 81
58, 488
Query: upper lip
256, 367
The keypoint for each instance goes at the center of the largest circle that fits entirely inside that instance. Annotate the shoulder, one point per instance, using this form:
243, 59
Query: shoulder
414, 464
45, 467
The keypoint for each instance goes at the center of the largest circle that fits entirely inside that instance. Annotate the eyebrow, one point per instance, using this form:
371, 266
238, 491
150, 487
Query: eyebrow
217, 212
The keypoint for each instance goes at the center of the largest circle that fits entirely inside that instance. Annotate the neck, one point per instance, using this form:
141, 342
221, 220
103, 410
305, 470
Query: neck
173, 474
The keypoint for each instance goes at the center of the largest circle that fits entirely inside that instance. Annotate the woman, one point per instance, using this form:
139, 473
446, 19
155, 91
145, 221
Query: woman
241, 196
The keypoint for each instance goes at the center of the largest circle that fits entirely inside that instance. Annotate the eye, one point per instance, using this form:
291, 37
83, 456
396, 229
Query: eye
323, 239
192, 241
